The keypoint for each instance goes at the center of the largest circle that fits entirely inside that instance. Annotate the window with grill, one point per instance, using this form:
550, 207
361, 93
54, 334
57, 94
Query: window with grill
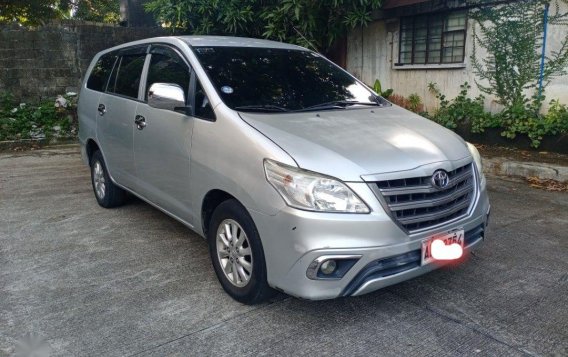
433, 38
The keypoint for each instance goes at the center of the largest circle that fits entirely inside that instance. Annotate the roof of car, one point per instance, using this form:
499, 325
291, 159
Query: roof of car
209, 41
215, 41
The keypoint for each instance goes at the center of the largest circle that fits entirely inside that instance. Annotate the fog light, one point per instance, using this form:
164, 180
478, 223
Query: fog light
331, 267
328, 267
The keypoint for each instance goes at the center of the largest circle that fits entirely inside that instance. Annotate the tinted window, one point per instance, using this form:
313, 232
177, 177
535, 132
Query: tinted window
167, 66
125, 80
203, 107
99, 75
288, 79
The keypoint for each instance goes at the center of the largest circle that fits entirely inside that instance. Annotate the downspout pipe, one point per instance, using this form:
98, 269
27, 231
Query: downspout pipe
543, 57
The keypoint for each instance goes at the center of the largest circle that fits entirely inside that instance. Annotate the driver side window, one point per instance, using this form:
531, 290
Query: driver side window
166, 66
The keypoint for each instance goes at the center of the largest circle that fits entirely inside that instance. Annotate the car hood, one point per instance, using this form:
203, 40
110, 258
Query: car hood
351, 143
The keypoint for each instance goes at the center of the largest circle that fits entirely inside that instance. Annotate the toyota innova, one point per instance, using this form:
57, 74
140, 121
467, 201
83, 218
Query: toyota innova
300, 177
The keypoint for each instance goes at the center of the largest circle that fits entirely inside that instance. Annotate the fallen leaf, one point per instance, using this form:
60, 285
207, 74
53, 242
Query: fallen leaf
548, 185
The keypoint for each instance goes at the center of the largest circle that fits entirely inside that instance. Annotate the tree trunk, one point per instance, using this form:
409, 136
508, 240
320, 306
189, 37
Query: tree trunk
132, 14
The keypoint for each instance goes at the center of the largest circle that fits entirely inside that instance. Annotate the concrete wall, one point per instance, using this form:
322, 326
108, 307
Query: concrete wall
372, 51
41, 63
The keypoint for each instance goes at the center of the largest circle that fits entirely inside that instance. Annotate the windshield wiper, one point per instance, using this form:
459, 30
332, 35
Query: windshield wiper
262, 108
337, 104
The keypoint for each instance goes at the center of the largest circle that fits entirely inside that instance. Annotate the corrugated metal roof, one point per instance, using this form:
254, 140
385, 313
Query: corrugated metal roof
391, 4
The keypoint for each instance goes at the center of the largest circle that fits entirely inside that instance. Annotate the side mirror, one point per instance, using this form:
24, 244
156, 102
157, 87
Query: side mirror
167, 96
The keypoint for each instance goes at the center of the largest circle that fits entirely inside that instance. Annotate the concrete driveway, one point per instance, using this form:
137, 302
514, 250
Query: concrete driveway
132, 281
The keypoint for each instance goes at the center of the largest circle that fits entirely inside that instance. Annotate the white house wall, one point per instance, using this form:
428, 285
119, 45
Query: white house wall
372, 51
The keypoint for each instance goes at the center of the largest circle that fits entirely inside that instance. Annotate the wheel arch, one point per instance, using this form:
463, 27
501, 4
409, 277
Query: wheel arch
91, 147
210, 202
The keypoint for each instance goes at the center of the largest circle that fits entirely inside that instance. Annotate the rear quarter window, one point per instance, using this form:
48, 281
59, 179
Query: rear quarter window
101, 71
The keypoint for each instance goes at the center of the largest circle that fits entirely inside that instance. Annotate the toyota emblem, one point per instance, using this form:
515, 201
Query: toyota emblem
440, 179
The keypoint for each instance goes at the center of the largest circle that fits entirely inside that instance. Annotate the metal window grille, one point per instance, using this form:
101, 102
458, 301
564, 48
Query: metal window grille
433, 38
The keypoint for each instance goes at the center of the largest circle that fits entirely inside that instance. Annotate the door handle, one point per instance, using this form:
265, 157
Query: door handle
102, 109
140, 122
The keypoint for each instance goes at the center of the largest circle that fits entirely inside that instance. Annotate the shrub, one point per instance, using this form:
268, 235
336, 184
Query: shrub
415, 103
46, 120
557, 116
378, 88
412, 103
524, 118
462, 110
520, 118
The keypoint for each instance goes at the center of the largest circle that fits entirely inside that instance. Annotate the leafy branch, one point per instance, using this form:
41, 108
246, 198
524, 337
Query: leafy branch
512, 37
305, 22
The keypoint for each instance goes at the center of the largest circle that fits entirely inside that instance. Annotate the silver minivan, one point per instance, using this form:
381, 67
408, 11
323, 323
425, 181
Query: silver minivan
300, 177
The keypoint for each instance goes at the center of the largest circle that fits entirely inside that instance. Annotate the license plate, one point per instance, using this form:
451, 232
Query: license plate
449, 238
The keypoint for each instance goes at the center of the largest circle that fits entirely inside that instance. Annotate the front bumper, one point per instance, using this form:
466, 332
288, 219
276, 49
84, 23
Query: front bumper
293, 239
387, 271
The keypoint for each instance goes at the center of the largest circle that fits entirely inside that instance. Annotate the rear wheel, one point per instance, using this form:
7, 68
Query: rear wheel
237, 254
108, 195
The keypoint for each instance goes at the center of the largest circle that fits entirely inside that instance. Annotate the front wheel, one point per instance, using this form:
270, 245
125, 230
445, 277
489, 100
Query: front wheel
237, 254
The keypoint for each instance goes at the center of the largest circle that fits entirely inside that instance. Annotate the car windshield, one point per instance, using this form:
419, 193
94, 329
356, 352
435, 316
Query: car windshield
280, 80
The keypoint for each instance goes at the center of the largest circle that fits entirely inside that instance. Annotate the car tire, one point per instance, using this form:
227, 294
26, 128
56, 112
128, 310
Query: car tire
234, 243
108, 195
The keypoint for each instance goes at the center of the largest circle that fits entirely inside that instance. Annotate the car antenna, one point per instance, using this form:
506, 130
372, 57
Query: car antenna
305, 39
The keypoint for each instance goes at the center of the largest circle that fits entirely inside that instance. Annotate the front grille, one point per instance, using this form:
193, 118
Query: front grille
416, 204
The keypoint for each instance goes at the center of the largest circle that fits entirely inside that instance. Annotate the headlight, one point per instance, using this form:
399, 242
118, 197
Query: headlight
311, 191
476, 157
478, 162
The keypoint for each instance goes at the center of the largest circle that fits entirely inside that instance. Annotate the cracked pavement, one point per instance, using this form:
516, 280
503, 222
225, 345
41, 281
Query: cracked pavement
132, 281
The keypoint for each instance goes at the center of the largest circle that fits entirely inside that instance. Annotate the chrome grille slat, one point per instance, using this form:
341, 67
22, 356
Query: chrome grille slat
431, 216
434, 202
416, 204
425, 188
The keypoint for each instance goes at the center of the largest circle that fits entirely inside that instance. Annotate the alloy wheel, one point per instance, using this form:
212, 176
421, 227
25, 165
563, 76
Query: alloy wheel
234, 252
99, 180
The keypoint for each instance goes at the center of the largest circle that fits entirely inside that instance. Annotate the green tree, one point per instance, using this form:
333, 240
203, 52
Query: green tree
96, 10
311, 23
29, 12
37, 12
512, 36
318, 23
207, 16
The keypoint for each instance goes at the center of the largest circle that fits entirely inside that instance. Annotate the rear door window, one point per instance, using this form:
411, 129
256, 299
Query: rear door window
125, 79
101, 71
